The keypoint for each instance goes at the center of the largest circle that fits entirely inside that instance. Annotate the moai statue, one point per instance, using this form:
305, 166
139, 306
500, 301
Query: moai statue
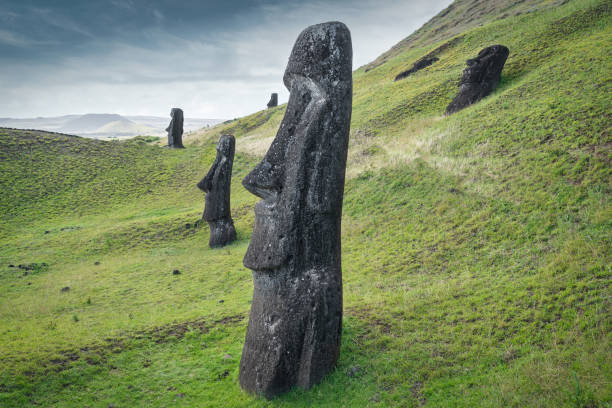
217, 185
295, 324
175, 129
480, 78
273, 101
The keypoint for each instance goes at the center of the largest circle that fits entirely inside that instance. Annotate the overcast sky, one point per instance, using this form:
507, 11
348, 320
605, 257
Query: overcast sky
214, 59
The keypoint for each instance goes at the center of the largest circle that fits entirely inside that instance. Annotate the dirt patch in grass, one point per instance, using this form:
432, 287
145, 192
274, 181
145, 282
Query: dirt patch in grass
417, 393
246, 209
140, 234
373, 321
96, 354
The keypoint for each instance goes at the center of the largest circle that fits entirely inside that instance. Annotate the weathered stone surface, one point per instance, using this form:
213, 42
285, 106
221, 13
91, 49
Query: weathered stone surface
216, 185
175, 129
273, 101
417, 66
295, 324
480, 78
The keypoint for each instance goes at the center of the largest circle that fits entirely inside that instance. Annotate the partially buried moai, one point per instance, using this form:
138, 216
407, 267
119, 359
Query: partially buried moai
480, 78
217, 185
273, 101
295, 323
175, 129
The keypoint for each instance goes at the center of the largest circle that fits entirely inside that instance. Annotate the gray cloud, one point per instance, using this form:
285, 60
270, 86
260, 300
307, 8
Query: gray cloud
135, 57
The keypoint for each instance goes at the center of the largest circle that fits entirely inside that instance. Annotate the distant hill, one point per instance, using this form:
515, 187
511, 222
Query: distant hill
91, 122
105, 125
190, 124
123, 128
52, 124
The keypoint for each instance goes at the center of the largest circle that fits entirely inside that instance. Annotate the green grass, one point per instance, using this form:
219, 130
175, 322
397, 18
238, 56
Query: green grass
476, 247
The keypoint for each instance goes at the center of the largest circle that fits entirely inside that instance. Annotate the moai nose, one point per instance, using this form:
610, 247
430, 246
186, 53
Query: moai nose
263, 181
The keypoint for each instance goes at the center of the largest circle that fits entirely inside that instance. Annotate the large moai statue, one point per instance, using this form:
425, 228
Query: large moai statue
273, 101
217, 185
295, 323
175, 129
480, 78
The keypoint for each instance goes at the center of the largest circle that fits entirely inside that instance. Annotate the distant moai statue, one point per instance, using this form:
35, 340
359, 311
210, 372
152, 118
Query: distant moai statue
216, 185
480, 78
175, 129
295, 324
273, 101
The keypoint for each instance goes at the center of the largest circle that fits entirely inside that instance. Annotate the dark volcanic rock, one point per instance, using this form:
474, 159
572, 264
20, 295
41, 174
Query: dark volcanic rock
480, 77
293, 336
273, 100
35, 267
175, 129
217, 185
354, 371
419, 65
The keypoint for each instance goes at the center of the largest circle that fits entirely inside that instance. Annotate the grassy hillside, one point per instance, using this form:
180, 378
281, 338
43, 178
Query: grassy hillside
476, 247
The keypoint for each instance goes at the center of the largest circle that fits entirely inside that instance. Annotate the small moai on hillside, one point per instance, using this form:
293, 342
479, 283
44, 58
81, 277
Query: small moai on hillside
480, 78
273, 101
216, 185
295, 324
417, 66
175, 129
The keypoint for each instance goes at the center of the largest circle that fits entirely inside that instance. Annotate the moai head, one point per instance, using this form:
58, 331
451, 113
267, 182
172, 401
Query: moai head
486, 68
216, 184
176, 113
294, 332
480, 78
301, 178
175, 128
273, 100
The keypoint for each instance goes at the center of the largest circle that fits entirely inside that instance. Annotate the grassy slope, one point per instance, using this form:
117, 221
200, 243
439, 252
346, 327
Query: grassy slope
460, 16
476, 247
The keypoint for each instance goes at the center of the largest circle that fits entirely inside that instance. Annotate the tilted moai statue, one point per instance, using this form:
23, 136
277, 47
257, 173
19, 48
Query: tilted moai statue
175, 129
295, 324
273, 101
217, 185
480, 78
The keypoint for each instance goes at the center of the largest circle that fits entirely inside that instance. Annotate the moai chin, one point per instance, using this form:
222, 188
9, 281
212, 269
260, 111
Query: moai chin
175, 129
216, 185
273, 101
480, 78
295, 323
